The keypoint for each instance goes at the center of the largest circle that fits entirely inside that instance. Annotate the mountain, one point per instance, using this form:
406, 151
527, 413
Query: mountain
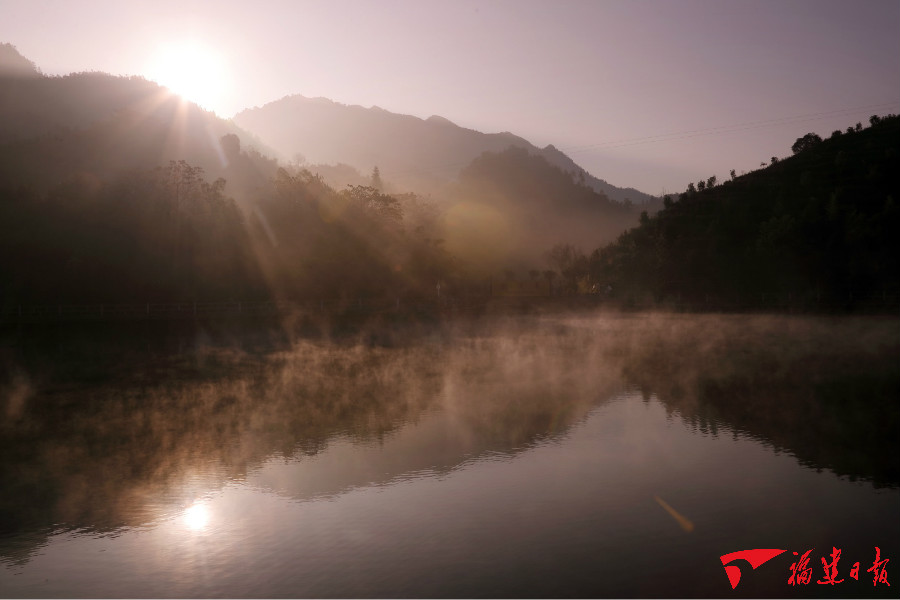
14, 65
52, 128
412, 153
520, 205
117, 190
817, 227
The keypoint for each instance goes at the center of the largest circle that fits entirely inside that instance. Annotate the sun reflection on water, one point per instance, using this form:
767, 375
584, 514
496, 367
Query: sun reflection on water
196, 517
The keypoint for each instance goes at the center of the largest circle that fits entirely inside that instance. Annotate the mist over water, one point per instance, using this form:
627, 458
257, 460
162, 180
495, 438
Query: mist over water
501, 456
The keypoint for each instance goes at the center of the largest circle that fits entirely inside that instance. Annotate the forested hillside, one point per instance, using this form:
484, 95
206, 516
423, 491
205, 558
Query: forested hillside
535, 205
114, 190
54, 128
170, 235
821, 223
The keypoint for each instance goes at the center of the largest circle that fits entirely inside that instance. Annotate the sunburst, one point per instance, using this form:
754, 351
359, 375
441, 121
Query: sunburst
192, 70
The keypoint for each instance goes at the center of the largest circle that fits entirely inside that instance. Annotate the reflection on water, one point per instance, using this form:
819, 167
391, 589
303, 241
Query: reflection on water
196, 516
541, 457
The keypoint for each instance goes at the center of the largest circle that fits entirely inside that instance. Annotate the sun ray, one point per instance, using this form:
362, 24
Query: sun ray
192, 70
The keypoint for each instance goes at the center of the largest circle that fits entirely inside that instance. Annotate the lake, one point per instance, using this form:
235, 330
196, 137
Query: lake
608, 455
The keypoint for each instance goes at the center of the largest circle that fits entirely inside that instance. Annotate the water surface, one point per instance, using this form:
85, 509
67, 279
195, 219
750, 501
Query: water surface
602, 456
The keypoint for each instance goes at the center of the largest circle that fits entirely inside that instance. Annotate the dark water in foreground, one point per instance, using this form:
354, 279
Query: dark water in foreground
609, 456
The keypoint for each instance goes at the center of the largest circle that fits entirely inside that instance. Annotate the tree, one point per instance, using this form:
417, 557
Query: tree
376, 179
381, 207
550, 276
182, 180
13, 64
570, 261
231, 146
805, 143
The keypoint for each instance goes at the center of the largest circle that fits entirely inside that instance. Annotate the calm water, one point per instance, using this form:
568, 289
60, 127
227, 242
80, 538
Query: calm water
537, 457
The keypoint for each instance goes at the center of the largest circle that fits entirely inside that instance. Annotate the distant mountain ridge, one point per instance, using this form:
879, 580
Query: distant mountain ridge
13, 64
52, 128
407, 150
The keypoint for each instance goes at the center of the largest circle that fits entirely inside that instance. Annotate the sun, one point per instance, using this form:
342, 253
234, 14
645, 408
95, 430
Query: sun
192, 70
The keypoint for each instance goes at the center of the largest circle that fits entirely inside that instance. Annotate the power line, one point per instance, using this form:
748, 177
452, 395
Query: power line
679, 135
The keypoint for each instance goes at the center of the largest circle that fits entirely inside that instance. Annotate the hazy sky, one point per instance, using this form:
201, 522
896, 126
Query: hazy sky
650, 94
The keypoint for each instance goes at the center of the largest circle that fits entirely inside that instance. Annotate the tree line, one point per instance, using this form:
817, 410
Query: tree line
821, 222
169, 234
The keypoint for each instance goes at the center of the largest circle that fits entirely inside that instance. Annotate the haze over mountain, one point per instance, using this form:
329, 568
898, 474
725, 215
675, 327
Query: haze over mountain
519, 205
412, 153
52, 128
116, 188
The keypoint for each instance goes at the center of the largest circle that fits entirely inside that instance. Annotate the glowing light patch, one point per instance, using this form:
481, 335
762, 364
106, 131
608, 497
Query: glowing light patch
191, 70
479, 233
196, 517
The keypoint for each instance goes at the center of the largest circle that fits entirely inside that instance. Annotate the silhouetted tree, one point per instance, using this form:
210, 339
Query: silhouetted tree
231, 146
376, 179
806, 142
824, 221
550, 276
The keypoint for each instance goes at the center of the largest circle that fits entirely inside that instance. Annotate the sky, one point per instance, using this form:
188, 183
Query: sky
651, 94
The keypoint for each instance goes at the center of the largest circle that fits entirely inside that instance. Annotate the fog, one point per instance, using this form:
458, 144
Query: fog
101, 432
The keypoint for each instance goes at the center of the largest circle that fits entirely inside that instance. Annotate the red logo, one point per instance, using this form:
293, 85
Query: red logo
754, 557
801, 572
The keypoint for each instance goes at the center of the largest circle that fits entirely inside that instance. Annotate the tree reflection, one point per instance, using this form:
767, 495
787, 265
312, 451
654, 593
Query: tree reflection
103, 455
130, 445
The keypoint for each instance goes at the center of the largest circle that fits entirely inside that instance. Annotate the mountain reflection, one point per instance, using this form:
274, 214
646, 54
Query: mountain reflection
821, 389
99, 454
